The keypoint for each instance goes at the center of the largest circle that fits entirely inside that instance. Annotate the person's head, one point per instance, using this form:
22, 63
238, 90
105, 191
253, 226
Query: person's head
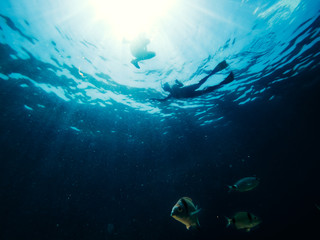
166, 87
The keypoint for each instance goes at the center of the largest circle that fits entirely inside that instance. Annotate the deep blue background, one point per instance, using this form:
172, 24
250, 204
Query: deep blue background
70, 167
61, 184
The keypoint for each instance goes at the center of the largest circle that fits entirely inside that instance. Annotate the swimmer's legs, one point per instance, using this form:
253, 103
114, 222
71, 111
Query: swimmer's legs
140, 57
150, 55
145, 55
135, 63
218, 68
228, 79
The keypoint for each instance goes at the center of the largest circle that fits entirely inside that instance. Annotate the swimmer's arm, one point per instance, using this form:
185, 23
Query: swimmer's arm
180, 84
161, 99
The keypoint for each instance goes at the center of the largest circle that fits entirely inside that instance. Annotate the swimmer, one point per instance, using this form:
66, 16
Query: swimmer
138, 48
179, 91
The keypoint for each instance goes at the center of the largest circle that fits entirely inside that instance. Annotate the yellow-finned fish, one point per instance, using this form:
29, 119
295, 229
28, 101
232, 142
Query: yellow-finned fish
244, 220
186, 212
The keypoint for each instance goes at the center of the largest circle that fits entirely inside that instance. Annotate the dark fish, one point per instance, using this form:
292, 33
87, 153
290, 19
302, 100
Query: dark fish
245, 184
186, 212
244, 220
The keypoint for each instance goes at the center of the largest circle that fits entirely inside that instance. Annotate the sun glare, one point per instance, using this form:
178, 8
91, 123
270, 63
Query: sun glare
127, 18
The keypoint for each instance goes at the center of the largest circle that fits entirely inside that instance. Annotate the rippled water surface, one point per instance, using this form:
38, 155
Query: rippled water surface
69, 52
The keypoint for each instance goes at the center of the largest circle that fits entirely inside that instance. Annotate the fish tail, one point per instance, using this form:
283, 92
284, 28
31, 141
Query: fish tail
232, 188
198, 226
229, 221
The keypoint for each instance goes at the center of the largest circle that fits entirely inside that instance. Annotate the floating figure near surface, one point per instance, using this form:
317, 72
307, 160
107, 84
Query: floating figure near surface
244, 220
186, 212
245, 184
178, 90
138, 48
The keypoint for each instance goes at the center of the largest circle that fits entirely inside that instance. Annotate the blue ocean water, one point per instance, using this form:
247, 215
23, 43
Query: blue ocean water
87, 154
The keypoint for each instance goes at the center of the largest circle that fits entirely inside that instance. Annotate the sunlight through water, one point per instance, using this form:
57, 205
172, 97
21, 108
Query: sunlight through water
112, 110
128, 18
86, 52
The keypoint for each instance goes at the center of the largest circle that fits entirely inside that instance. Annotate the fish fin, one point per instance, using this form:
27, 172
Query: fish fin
187, 198
198, 227
248, 229
195, 212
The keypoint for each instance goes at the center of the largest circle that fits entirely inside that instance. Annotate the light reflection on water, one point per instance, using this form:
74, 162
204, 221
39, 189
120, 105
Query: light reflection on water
64, 51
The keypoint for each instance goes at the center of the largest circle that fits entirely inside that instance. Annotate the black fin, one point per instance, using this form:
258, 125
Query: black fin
222, 65
185, 205
229, 79
249, 216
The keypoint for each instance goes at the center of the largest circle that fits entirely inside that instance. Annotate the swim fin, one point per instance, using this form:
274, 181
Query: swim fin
219, 67
222, 65
229, 79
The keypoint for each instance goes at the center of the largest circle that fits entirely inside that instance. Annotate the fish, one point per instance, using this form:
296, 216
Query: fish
244, 220
245, 184
186, 212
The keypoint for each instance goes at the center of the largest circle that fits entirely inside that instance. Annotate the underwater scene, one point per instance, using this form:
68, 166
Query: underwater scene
149, 119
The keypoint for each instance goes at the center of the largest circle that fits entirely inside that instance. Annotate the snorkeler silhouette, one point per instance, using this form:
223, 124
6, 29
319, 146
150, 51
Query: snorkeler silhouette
138, 48
179, 91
